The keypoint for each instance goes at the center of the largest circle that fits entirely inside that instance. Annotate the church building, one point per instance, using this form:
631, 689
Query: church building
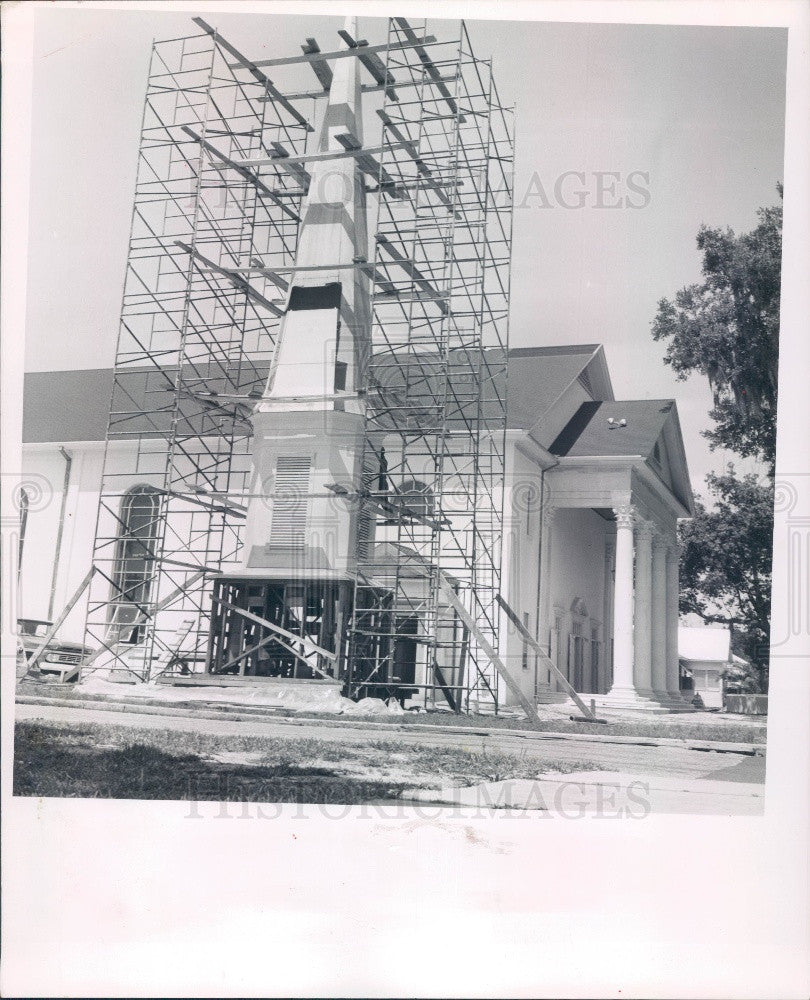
594, 490
586, 498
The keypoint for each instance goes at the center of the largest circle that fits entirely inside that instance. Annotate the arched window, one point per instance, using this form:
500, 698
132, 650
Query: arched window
417, 497
134, 557
25, 503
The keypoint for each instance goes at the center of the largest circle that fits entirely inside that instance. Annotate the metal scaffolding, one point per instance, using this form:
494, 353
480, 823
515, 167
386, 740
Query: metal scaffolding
438, 375
194, 346
211, 251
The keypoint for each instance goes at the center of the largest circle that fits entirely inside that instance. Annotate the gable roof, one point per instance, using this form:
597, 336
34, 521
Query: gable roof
589, 432
66, 406
74, 405
651, 431
538, 376
702, 642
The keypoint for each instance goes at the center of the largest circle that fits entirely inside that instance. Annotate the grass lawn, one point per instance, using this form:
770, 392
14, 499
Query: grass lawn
120, 762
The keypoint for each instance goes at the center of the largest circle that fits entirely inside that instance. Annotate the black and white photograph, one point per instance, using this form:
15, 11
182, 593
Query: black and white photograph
393, 404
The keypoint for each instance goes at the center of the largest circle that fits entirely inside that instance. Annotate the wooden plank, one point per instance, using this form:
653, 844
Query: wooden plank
384, 506
259, 645
493, 657
283, 632
446, 690
413, 271
298, 172
256, 73
423, 169
276, 628
260, 185
372, 63
274, 276
237, 280
368, 88
535, 645
400, 136
338, 624
69, 672
428, 40
331, 154
369, 165
236, 510
462, 660
274, 637
170, 653
65, 612
319, 66
234, 680
142, 616
429, 65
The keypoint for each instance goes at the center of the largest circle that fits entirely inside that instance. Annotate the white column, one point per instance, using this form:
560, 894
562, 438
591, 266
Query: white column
607, 617
546, 617
642, 629
673, 592
659, 618
623, 605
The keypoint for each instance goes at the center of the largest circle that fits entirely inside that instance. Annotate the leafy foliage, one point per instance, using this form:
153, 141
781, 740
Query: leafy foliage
727, 328
726, 564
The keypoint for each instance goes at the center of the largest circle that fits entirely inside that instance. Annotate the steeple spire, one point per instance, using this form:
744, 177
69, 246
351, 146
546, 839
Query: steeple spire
332, 237
309, 427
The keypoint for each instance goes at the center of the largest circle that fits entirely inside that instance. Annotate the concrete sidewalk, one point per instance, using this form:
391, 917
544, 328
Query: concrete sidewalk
603, 794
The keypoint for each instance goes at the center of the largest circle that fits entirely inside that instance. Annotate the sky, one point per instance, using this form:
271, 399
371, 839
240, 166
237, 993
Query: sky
691, 119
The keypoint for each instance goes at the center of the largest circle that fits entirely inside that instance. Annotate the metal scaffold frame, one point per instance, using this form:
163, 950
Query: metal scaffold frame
211, 252
438, 376
194, 346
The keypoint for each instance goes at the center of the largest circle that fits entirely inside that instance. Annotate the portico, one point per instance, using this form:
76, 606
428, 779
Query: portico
639, 498
645, 658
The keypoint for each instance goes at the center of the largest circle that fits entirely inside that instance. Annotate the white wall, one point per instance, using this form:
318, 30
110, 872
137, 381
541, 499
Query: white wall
519, 566
44, 464
577, 550
707, 680
578, 574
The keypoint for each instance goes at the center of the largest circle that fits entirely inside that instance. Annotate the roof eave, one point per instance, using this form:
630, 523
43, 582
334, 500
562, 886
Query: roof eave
640, 464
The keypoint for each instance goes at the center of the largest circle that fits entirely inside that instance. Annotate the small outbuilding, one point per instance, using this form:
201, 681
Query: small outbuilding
705, 656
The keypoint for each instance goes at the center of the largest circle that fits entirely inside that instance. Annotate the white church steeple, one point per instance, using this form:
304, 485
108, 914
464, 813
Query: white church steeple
323, 342
309, 426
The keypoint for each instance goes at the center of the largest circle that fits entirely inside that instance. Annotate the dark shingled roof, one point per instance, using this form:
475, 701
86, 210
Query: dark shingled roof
74, 405
589, 433
66, 406
537, 378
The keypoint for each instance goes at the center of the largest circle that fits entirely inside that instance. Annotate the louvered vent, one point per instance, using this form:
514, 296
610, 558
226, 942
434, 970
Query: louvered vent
365, 516
290, 500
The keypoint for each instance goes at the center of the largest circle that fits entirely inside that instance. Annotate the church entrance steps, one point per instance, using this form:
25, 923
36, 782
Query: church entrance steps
628, 701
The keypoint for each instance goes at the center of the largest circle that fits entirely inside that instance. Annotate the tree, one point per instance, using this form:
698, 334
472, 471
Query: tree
727, 328
726, 564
